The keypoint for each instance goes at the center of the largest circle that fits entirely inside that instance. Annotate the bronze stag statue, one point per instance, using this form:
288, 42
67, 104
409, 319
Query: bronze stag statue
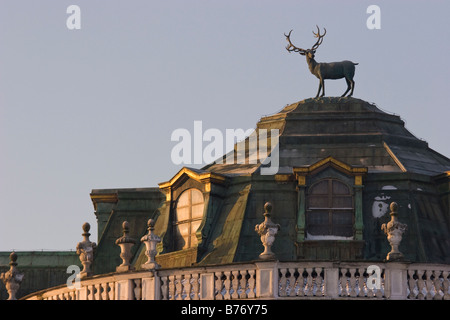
334, 70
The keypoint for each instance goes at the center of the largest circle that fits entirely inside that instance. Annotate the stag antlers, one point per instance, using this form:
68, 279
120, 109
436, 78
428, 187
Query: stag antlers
320, 38
291, 48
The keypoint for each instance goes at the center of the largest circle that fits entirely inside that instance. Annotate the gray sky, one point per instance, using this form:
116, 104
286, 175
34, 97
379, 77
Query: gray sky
95, 107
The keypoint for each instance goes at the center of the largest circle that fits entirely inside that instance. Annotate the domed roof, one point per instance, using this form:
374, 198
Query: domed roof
351, 130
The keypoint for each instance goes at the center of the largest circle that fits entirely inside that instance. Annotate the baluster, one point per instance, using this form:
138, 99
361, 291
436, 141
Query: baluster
243, 284
340, 290
94, 292
282, 292
171, 286
411, 284
370, 292
137, 289
353, 292
234, 285
251, 284
437, 285
178, 294
420, 284
290, 282
343, 278
195, 286
188, 286
380, 291
227, 284
90, 292
428, 285
219, 285
112, 290
300, 284
360, 281
293, 282
97, 291
319, 289
103, 291
309, 283
164, 288
446, 285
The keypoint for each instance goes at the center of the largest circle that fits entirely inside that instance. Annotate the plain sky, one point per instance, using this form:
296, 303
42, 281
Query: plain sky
95, 108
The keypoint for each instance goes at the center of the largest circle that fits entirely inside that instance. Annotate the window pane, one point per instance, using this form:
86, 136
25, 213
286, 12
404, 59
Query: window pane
318, 217
320, 188
318, 230
193, 240
342, 218
183, 199
340, 188
342, 202
195, 225
197, 196
179, 241
343, 224
183, 229
318, 202
197, 211
182, 214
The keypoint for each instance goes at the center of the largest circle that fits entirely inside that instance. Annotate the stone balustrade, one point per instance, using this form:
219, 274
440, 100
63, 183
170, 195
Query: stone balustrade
263, 280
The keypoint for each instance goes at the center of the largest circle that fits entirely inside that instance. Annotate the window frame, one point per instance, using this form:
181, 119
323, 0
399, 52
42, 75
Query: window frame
189, 221
330, 210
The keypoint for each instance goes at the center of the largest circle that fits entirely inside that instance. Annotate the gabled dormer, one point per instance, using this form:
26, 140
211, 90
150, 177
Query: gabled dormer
193, 197
329, 216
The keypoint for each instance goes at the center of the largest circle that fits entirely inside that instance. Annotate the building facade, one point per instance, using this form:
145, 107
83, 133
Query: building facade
341, 163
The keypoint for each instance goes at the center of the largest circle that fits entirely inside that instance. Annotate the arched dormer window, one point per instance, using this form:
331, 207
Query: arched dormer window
330, 211
187, 218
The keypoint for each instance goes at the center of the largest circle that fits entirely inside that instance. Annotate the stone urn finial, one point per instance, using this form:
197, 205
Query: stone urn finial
150, 240
85, 250
394, 231
12, 278
267, 231
125, 243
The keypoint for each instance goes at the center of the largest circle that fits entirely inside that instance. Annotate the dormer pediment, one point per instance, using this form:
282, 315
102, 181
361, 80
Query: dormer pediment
185, 174
349, 170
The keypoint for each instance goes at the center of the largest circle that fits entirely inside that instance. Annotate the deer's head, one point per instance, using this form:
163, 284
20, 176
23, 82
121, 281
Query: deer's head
308, 52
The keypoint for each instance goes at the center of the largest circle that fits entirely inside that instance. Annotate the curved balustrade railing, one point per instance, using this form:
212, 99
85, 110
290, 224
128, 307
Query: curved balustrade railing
269, 279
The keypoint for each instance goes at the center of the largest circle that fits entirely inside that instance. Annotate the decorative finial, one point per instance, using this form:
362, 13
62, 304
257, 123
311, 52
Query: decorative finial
86, 227
13, 259
267, 231
12, 278
267, 209
86, 249
150, 240
394, 231
125, 243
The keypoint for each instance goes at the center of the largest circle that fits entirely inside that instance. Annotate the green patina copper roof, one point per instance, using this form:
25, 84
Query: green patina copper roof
399, 167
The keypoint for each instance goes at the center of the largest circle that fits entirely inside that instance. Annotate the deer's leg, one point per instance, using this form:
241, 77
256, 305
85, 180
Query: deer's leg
323, 87
353, 87
348, 87
320, 88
